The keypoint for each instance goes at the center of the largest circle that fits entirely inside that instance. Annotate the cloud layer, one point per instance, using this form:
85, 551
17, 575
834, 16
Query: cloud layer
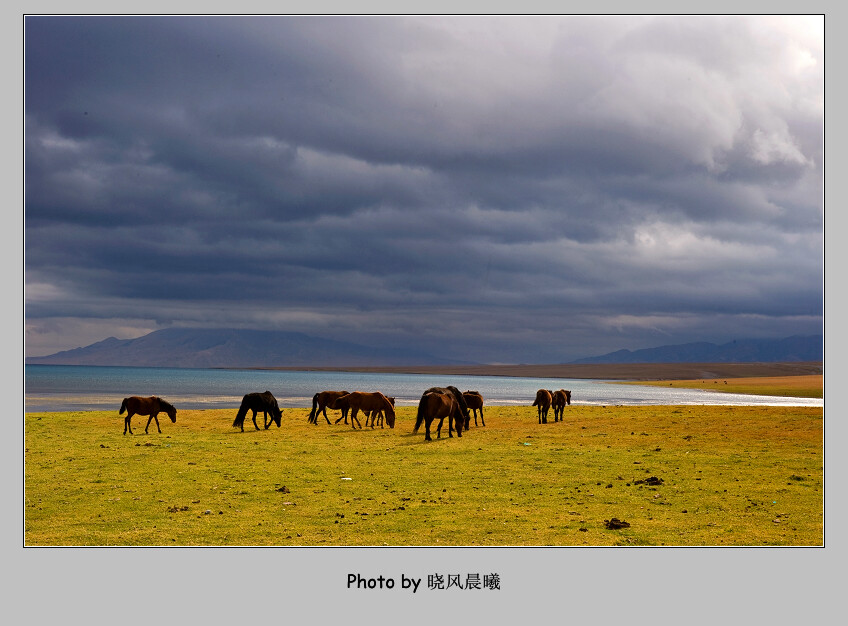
504, 189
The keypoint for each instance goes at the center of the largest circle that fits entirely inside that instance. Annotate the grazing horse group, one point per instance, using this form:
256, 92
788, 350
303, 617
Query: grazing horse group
370, 404
436, 403
375, 406
545, 399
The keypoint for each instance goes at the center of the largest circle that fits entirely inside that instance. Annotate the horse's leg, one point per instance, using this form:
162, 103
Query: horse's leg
353, 417
156, 417
127, 424
255, 425
439, 429
427, 423
325, 415
481, 417
149, 419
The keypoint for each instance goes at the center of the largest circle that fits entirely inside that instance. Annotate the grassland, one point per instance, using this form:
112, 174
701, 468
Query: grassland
678, 475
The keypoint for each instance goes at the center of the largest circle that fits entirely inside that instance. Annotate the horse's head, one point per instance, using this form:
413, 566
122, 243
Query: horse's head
460, 420
276, 416
390, 416
567, 397
169, 409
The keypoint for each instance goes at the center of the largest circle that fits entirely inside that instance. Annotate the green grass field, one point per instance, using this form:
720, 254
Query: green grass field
678, 475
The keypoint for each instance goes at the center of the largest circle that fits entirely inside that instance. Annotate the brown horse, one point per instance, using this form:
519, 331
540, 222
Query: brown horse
151, 406
366, 402
461, 408
474, 400
543, 401
558, 402
323, 400
377, 415
438, 405
265, 402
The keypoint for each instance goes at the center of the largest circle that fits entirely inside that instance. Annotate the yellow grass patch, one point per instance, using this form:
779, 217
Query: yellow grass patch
678, 475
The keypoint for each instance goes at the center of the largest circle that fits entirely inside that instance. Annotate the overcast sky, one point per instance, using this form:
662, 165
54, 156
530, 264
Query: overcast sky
496, 189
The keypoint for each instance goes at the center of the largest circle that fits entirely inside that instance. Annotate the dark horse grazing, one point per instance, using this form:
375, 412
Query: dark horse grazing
543, 401
474, 400
438, 405
323, 400
151, 406
265, 402
558, 402
460, 410
366, 402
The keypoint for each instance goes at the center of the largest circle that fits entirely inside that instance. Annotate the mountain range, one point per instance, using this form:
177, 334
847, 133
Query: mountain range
790, 349
227, 347
191, 347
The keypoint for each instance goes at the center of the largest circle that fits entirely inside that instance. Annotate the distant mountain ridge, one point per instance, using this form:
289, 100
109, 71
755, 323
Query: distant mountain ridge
204, 348
790, 349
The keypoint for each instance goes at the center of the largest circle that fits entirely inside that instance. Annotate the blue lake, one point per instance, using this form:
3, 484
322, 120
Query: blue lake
81, 388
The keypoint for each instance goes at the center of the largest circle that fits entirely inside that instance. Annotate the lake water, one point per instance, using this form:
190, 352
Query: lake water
81, 388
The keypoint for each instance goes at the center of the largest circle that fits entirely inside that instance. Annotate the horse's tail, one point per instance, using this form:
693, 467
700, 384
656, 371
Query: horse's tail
312, 414
242, 413
123, 407
419, 418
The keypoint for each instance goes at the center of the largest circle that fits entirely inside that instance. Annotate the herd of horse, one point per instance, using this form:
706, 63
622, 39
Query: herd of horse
436, 403
545, 399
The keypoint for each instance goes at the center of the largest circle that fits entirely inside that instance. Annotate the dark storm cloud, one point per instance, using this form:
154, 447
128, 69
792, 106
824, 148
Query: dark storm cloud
533, 188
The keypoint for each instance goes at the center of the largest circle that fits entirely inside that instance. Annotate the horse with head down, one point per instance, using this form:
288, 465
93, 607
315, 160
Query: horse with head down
559, 399
265, 402
438, 405
543, 401
151, 406
324, 400
377, 415
366, 402
460, 410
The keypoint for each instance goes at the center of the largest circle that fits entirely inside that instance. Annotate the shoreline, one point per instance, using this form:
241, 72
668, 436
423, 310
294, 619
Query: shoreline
596, 371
